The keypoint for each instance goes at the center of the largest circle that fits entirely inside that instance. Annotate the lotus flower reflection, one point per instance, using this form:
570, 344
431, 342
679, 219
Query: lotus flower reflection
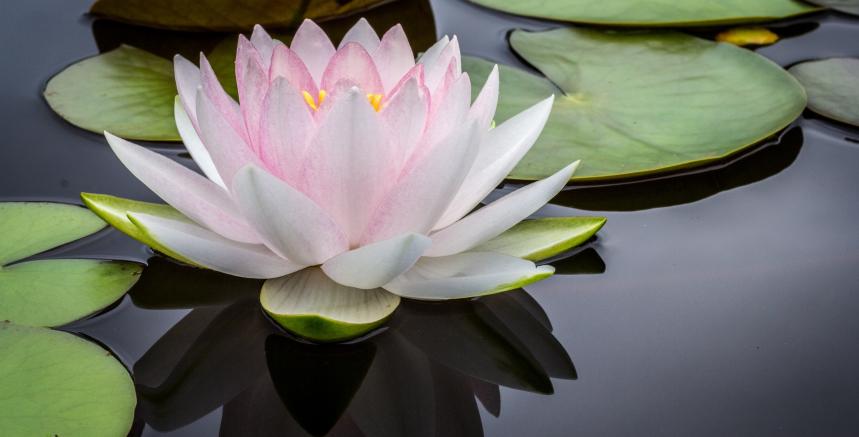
358, 159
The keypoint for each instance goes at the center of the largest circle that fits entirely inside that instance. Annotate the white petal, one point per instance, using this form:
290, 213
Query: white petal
187, 81
285, 131
314, 47
394, 58
193, 195
499, 216
362, 33
483, 109
500, 151
290, 223
465, 275
431, 55
213, 251
229, 151
376, 264
194, 145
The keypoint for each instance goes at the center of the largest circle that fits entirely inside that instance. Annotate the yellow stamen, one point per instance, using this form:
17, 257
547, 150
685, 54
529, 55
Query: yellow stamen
374, 99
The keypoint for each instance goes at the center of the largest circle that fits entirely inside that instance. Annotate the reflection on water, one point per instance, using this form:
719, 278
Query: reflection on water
421, 375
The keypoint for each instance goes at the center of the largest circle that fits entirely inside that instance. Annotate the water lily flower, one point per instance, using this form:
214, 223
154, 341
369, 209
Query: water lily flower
356, 160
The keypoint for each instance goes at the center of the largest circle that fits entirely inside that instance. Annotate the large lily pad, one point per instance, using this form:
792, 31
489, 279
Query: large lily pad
832, 86
846, 6
635, 104
225, 15
126, 91
56, 291
56, 384
653, 12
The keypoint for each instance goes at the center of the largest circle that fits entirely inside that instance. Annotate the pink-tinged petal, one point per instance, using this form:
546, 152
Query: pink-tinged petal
436, 69
405, 116
394, 57
187, 81
449, 111
352, 62
194, 144
225, 105
416, 72
490, 221
289, 222
314, 47
286, 64
348, 165
466, 275
483, 108
264, 44
285, 131
502, 149
425, 188
193, 195
213, 251
253, 87
431, 54
228, 150
245, 54
362, 33
376, 264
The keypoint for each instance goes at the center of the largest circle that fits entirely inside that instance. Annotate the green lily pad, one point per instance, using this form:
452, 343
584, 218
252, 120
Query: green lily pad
543, 238
634, 104
56, 291
57, 384
312, 306
661, 13
846, 6
115, 210
126, 91
832, 86
225, 15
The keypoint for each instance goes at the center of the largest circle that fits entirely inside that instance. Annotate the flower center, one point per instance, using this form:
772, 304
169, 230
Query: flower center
374, 99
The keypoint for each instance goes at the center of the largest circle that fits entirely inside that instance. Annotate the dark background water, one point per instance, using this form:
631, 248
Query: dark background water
720, 302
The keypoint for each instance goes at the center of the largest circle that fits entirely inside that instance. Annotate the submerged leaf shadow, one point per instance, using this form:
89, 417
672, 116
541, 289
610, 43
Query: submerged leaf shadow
423, 375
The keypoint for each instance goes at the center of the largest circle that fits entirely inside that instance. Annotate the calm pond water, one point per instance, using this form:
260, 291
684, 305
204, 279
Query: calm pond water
721, 302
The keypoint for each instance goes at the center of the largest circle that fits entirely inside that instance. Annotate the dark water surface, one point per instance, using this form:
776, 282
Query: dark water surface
721, 302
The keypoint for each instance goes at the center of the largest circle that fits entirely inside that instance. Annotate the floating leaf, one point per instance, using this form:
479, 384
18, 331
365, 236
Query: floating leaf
56, 384
126, 91
312, 306
748, 36
659, 13
114, 210
225, 15
832, 86
635, 104
543, 238
846, 6
57, 291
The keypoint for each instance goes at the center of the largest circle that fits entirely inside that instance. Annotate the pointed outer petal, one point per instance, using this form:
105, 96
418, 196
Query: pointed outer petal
287, 64
543, 238
228, 150
310, 304
348, 165
286, 127
187, 81
374, 265
431, 54
225, 105
502, 148
394, 57
436, 70
193, 195
423, 191
465, 275
362, 33
314, 47
499, 216
212, 251
483, 108
264, 44
193, 143
449, 111
253, 87
405, 116
290, 223
352, 62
